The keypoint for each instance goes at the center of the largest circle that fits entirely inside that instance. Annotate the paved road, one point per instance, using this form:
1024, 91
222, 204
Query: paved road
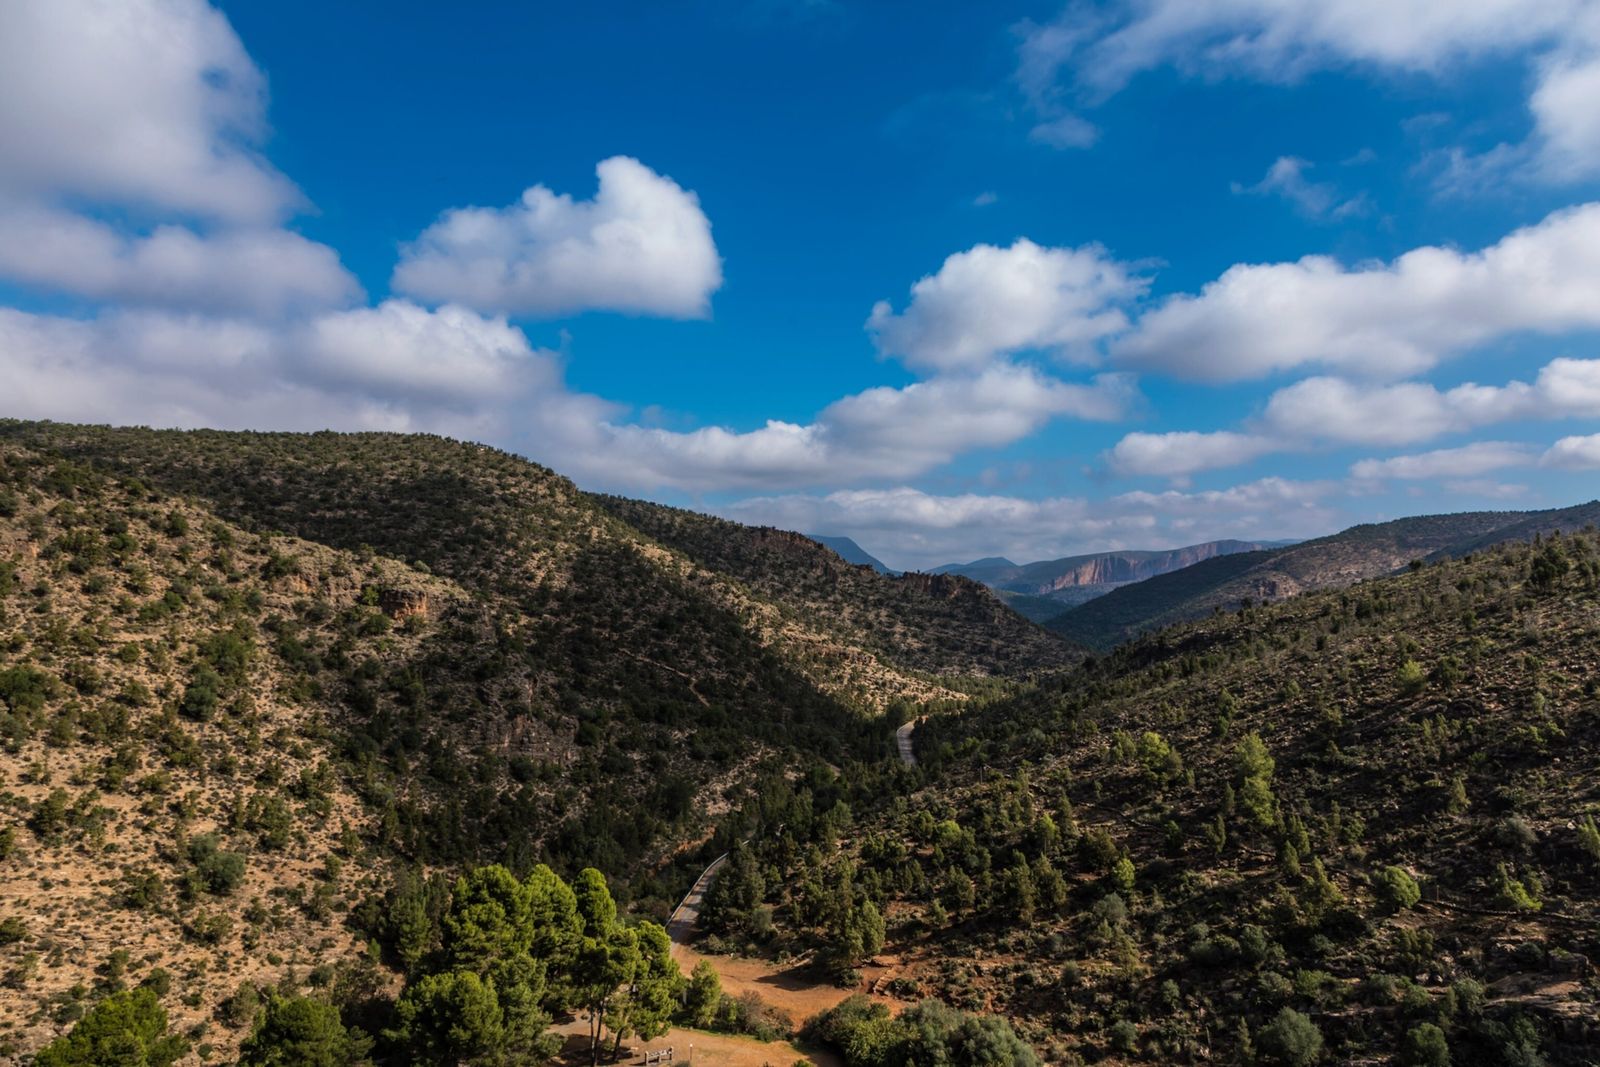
902, 739
681, 926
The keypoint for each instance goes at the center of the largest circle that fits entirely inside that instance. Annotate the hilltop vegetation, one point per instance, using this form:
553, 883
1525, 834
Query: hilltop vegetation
246, 680
1358, 825
1365, 551
936, 624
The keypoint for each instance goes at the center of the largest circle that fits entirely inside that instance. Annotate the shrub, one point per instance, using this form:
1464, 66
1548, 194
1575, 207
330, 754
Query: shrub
1425, 1046
126, 1028
296, 1031
1291, 1038
1397, 888
1411, 679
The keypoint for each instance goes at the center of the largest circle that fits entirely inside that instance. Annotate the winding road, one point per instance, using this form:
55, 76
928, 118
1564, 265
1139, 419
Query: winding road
684, 917
902, 740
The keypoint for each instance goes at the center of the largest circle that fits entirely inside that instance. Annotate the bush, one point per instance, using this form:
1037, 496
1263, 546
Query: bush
1291, 1038
1398, 889
1425, 1046
1411, 679
220, 872
297, 1031
125, 1028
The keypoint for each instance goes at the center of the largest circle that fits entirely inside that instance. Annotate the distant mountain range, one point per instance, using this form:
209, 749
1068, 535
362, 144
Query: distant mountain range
851, 552
1275, 573
1045, 589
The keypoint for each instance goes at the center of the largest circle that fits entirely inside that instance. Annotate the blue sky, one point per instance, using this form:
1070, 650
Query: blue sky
953, 279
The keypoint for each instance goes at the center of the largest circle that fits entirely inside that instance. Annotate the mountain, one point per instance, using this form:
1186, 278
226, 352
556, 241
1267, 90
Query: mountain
1360, 552
938, 624
249, 680
1355, 826
1073, 580
851, 552
991, 570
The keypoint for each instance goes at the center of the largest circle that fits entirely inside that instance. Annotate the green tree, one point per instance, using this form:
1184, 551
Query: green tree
1255, 766
643, 1006
1398, 889
1291, 1038
1411, 679
449, 1019
1425, 1046
606, 955
127, 1029
301, 1032
704, 995
1589, 837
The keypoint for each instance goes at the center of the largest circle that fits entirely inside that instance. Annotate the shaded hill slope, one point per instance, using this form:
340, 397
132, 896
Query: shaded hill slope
1359, 820
1364, 551
939, 624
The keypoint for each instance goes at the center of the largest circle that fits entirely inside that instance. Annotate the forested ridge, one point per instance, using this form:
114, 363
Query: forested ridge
1355, 826
251, 680
372, 748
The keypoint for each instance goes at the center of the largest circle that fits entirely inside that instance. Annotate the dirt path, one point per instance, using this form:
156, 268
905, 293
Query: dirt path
696, 1046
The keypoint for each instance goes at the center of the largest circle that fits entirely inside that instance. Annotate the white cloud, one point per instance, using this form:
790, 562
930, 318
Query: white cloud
1286, 178
1487, 489
144, 112
1574, 454
989, 302
1389, 319
250, 271
1183, 453
1284, 40
1468, 461
394, 367
641, 245
1408, 412
151, 103
1339, 410
1563, 105
1065, 131
912, 528
880, 433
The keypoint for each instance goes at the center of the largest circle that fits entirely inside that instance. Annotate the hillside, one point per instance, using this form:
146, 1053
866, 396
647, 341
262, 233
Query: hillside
1356, 826
1364, 551
1075, 580
248, 680
939, 624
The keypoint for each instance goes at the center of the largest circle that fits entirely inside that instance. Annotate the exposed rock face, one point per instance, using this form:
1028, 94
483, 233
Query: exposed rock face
943, 586
1117, 568
402, 604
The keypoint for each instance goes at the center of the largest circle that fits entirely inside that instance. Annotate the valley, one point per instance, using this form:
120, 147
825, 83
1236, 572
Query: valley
310, 723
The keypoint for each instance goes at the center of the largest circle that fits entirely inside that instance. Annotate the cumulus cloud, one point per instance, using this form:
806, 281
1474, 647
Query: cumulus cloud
141, 112
1183, 453
988, 302
1387, 320
1468, 461
1287, 178
880, 433
913, 528
1407, 412
152, 103
394, 367
1574, 454
641, 245
1096, 51
257, 271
